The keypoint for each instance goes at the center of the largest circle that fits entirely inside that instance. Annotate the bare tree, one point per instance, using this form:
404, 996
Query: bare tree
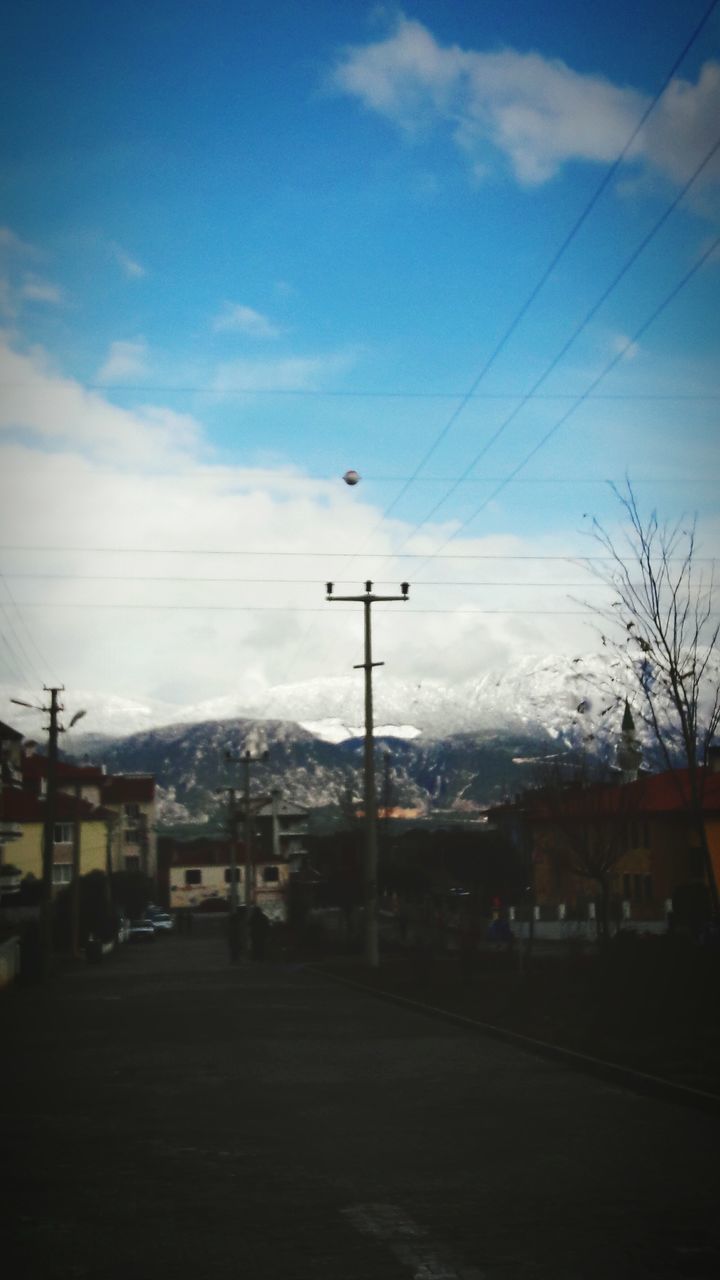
663, 611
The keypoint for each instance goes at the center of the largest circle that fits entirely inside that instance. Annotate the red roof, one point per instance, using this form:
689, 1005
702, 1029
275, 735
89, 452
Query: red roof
126, 788
8, 734
23, 806
652, 793
35, 767
202, 852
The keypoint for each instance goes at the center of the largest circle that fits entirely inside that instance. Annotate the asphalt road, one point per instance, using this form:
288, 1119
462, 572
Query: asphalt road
166, 1114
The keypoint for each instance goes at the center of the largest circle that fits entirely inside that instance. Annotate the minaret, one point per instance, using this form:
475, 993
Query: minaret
629, 751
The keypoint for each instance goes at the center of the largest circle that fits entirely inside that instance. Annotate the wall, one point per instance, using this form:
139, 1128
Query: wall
270, 897
26, 852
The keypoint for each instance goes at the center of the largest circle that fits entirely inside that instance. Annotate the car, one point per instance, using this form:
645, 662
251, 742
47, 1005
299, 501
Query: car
161, 921
141, 931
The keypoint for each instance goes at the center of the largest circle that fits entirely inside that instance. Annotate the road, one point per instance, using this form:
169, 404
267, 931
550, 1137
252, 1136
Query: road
166, 1114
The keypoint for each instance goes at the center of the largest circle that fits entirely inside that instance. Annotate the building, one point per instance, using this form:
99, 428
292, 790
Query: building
74, 820
634, 842
102, 822
196, 872
130, 797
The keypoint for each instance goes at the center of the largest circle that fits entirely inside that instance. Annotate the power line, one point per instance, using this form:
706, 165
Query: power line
579, 329
580, 220
17, 638
582, 398
359, 393
280, 608
372, 555
12, 664
515, 322
304, 582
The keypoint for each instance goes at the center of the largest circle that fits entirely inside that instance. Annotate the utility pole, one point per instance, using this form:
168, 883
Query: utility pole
49, 829
233, 921
48, 847
368, 599
246, 760
75, 882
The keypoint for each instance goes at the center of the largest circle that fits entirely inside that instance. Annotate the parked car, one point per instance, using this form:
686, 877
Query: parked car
142, 931
161, 921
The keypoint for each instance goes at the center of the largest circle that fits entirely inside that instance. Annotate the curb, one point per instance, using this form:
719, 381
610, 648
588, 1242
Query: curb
636, 1081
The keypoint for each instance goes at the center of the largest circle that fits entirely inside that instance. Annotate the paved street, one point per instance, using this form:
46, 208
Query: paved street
166, 1114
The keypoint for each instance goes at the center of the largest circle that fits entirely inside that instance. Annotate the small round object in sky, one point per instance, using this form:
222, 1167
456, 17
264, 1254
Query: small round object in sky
351, 477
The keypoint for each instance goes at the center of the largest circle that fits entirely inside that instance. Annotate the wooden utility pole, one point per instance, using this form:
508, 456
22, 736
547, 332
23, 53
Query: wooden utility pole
368, 599
75, 882
246, 760
46, 909
48, 845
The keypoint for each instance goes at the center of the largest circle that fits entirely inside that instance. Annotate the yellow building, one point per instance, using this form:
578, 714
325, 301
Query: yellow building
27, 813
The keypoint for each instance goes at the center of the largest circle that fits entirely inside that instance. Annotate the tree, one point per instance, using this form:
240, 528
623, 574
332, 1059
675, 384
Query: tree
663, 612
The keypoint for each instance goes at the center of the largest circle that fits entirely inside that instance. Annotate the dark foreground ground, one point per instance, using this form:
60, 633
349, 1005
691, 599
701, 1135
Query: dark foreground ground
167, 1115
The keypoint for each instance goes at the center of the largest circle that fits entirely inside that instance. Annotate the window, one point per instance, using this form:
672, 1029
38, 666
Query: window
193, 877
646, 835
62, 871
638, 888
63, 833
228, 875
271, 875
131, 810
131, 836
647, 888
132, 862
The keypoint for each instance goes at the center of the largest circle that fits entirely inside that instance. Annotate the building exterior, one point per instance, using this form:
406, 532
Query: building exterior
130, 798
102, 822
633, 841
196, 872
10, 777
74, 818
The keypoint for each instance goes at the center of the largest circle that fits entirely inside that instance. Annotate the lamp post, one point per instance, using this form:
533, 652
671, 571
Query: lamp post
368, 599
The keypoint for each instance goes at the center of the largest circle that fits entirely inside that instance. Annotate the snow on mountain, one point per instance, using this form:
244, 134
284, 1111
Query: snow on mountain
451, 749
530, 694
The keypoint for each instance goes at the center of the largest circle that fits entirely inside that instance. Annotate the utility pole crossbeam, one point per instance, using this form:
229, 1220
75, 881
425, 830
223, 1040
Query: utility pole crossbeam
368, 599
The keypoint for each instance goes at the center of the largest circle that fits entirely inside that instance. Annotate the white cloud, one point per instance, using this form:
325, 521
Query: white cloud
129, 265
684, 126
12, 243
8, 303
535, 112
79, 472
241, 319
125, 359
58, 413
620, 344
33, 289
303, 373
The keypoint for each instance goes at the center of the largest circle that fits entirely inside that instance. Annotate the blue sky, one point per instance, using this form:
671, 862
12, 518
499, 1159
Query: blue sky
246, 246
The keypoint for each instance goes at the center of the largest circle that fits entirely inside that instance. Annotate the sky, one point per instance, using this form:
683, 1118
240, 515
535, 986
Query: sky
245, 247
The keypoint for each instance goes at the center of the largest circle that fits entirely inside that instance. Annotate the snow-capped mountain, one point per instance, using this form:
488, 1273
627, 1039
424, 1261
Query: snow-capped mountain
529, 694
451, 748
